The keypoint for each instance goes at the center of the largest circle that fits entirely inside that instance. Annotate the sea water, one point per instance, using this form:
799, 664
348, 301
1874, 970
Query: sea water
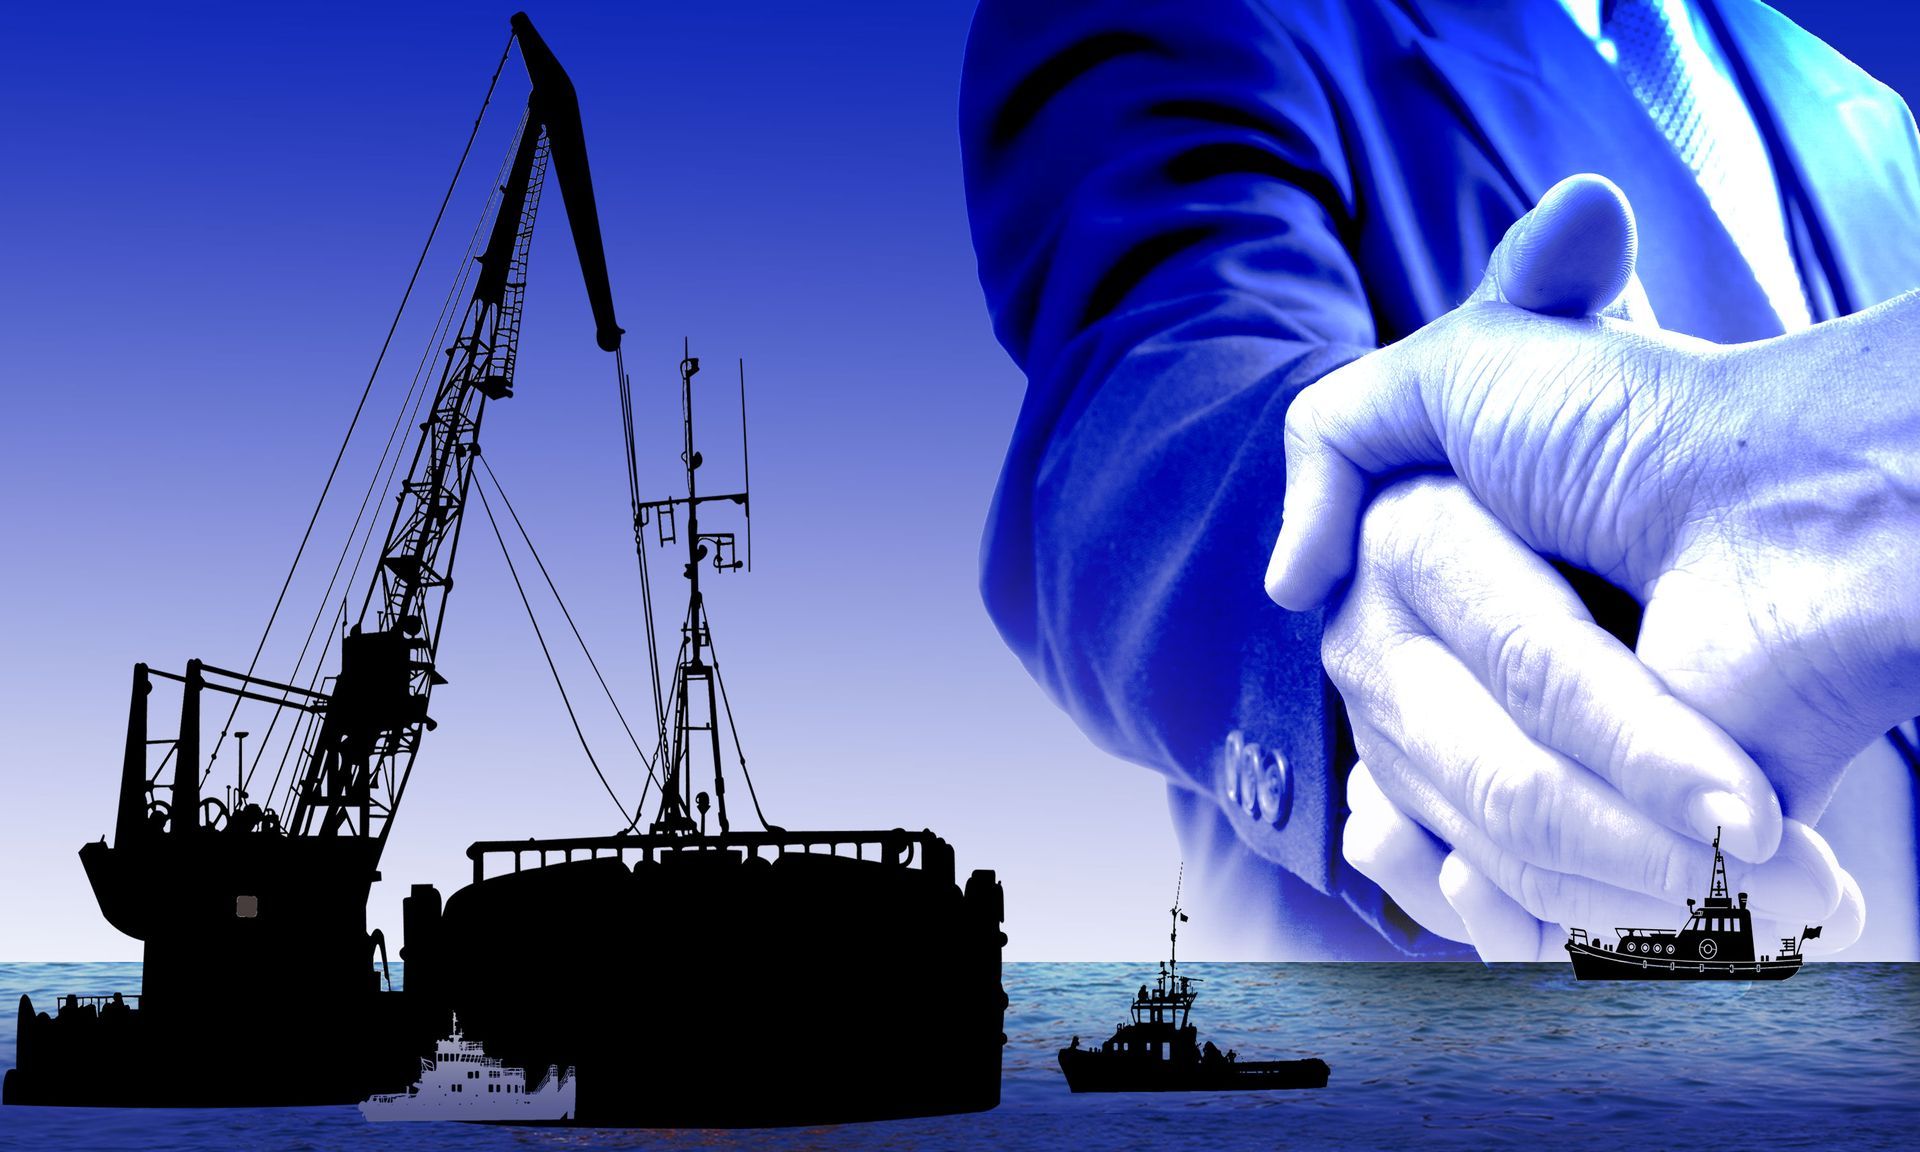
1423, 1056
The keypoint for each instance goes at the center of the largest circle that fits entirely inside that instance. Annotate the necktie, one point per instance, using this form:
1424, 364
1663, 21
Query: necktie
1669, 72
1648, 56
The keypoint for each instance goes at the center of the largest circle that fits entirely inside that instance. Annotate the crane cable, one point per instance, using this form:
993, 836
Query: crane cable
552, 668
361, 406
557, 599
640, 551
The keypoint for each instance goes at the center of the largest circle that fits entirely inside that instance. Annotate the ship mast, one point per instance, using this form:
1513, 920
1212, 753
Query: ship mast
1173, 938
1718, 890
697, 698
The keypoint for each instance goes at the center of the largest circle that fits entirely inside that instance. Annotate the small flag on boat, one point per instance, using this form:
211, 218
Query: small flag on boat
1812, 933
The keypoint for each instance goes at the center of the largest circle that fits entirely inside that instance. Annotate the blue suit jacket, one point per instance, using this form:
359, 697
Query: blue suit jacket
1186, 212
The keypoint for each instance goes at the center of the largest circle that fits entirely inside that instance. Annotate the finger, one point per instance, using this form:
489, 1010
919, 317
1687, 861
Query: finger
1546, 895
1451, 758
1388, 848
1594, 904
1339, 417
1501, 930
1814, 887
1570, 685
1573, 255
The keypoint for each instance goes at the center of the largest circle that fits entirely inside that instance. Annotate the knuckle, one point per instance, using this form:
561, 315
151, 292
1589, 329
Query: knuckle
1521, 667
1396, 533
1519, 815
1305, 422
1390, 767
1541, 892
1381, 530
1342, 653
1382, 758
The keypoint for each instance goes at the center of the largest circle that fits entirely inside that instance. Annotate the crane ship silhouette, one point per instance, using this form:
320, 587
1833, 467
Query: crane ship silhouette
647, 960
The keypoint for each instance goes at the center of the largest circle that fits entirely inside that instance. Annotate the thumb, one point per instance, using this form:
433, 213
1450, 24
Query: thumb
1573, 255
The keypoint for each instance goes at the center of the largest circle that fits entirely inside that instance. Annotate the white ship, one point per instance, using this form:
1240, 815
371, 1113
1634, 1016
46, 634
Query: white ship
461, 1082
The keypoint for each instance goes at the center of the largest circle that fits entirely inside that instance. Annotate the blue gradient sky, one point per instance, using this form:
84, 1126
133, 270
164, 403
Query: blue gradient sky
212, 210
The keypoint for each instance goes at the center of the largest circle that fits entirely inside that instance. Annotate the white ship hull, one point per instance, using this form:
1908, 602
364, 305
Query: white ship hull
552, 1103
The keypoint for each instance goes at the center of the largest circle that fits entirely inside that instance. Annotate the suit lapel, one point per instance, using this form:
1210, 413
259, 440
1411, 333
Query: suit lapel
1843, 150
1547, 106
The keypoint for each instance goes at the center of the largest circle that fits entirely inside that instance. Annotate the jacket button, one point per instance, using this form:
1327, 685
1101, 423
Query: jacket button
1275, 787
1240, 772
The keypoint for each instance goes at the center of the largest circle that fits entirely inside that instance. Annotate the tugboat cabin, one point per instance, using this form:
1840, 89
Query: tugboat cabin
1160, 1029
1716, 930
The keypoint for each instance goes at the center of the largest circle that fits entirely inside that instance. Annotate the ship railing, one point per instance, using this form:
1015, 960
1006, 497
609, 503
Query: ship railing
97, 1003
920, 850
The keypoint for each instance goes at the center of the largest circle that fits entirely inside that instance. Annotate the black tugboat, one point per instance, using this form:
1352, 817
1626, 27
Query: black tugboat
1159, 1051
688, 977
1716, 943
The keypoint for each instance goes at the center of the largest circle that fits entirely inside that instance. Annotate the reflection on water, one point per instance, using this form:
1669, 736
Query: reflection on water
1442, 1056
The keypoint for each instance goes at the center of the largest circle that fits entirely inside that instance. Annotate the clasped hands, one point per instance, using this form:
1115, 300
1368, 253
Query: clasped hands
1520, 767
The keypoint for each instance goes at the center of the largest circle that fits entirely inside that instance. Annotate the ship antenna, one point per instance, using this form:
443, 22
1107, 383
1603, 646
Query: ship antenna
1173, 939
1719, 888
746, 466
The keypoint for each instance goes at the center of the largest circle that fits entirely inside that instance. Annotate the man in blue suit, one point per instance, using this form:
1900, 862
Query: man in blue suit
1186, 214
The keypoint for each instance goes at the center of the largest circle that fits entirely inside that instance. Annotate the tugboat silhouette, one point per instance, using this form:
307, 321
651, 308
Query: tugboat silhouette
1716, 943
1159, 1050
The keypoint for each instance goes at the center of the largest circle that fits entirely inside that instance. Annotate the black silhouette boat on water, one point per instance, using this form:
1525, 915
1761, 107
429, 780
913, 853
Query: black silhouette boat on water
687, 976
1716, 943
1159, 1050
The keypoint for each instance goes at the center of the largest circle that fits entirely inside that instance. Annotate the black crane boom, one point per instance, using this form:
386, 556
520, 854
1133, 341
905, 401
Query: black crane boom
556, 107
358, 764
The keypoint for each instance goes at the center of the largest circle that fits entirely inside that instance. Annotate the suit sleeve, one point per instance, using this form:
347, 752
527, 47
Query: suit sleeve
1160, 208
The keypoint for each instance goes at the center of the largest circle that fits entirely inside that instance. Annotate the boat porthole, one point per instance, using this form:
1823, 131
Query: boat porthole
1631, 946
1669, 949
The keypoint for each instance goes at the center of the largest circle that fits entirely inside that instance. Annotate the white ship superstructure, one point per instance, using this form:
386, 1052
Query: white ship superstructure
461, 1082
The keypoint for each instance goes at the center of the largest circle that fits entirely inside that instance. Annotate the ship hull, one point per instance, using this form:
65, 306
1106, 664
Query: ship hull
711, 987
1593, 963
253, 944
83, 1057
554, 1106
1089, 1070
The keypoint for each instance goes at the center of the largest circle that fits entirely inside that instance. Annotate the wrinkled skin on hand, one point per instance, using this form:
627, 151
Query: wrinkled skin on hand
1761, 500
